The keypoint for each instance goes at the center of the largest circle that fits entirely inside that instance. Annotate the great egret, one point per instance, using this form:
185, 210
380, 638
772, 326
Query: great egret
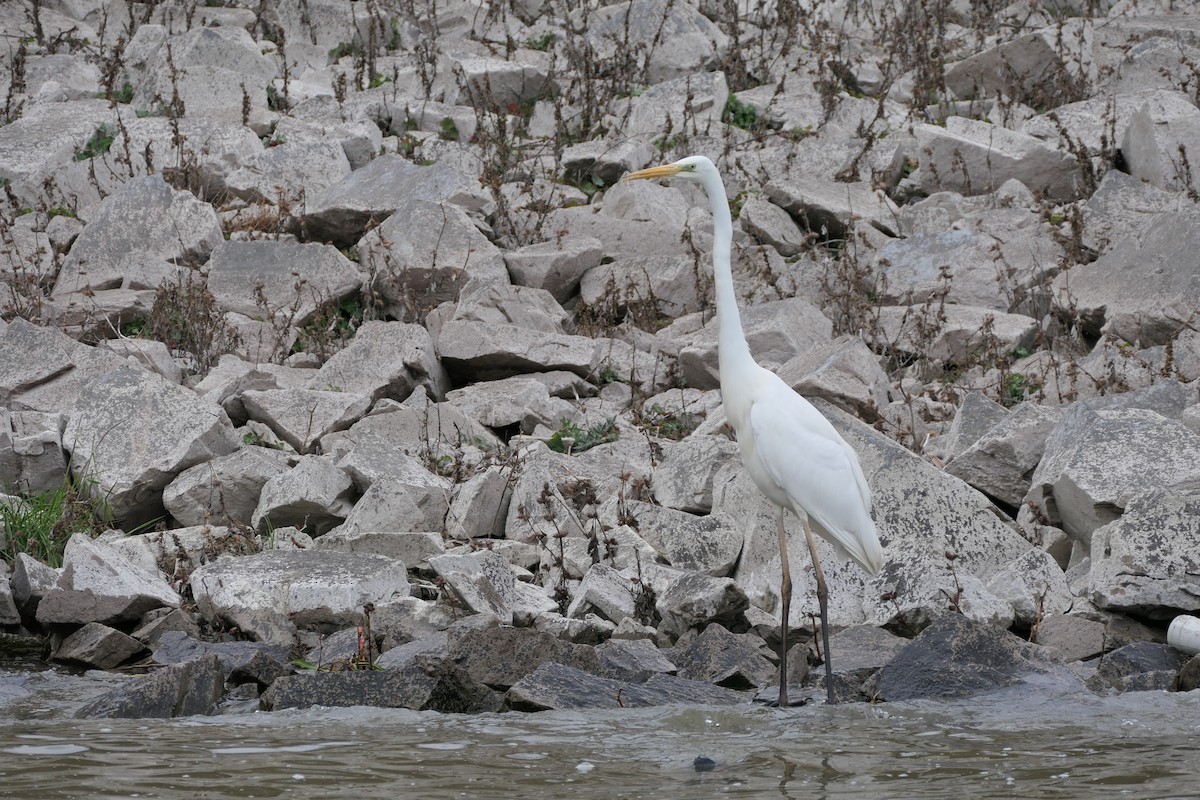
791, 451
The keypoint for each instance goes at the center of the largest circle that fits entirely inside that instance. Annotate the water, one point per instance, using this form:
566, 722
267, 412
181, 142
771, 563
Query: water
1143, 745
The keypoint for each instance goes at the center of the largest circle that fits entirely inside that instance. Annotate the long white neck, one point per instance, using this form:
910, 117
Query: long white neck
733, 352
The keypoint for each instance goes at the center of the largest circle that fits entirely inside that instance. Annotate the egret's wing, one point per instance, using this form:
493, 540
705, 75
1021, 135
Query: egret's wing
817, 470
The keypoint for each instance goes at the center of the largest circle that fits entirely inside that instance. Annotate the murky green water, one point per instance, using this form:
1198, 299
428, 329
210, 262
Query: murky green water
1032, 745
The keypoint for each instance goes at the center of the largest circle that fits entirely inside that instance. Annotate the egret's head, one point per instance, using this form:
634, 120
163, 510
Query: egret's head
692, 168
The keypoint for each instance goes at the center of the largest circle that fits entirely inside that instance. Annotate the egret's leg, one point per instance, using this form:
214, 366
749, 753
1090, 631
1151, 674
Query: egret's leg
785, 597
823, 601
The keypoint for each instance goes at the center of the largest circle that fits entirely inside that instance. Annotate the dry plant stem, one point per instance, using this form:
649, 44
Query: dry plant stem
823, 601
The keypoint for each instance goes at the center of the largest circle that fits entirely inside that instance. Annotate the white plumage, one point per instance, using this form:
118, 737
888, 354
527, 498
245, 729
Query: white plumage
791, 451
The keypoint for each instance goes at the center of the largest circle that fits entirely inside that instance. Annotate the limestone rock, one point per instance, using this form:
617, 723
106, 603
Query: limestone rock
556, 686
110, 432
1147, 561
717, 656
98, 584
139, 237
825, 205
302, 416
225, 490
683, 480
384, 360
482, 582
499, 351
1096, 461
1142, 288
709, 544
346, 209
313, 495
844, 372
955, 657
776, 332
1001, 462
427, 683
689, 41
974, 157
285, 282
289, 172
267, 594
424, 254
500, 657
184, 690
97, 646
554, 266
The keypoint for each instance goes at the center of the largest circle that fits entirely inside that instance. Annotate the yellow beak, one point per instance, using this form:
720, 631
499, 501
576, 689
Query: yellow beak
665, 171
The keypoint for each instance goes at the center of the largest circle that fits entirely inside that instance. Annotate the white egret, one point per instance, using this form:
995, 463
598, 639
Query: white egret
791, 451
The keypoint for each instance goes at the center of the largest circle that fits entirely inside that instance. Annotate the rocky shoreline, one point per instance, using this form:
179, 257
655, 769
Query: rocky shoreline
348, 372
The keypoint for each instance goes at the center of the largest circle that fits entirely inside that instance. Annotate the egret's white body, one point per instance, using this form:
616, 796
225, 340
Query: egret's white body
792, 453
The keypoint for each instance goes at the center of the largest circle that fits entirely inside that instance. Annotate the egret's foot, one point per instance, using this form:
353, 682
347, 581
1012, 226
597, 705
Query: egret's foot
796, 696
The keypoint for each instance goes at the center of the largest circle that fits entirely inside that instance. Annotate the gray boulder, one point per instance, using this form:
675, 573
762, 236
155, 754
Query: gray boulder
1146, 562
177, 647
844, 372
776, 332
501, 657
1039, 69
426, 683
771, 225
556, 686
825, 205
1072, 637
490, 351
1143, 288
225, 490
289, 172
300, 417
132, 433
1139, 667
709, 544
283, 282
973, 157
633, 659
735, 661
556, 266
688, 43
1154, 139
183, 690
99, 584
384, 360
977, 415
858, 653
481, 582
955, 658
313, 495
1096, 461
683, 479
140, 236
344, 211
267, 595
424, 254
97, 646
1001, 462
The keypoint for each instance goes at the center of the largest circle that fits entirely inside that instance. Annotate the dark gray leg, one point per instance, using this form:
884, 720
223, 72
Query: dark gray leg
823, 601
785, 596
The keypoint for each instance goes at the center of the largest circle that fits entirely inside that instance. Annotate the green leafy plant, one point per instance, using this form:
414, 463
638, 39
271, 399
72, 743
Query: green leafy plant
98, 145
570, 438
449, 130
674, 425
542, 42
740, 115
